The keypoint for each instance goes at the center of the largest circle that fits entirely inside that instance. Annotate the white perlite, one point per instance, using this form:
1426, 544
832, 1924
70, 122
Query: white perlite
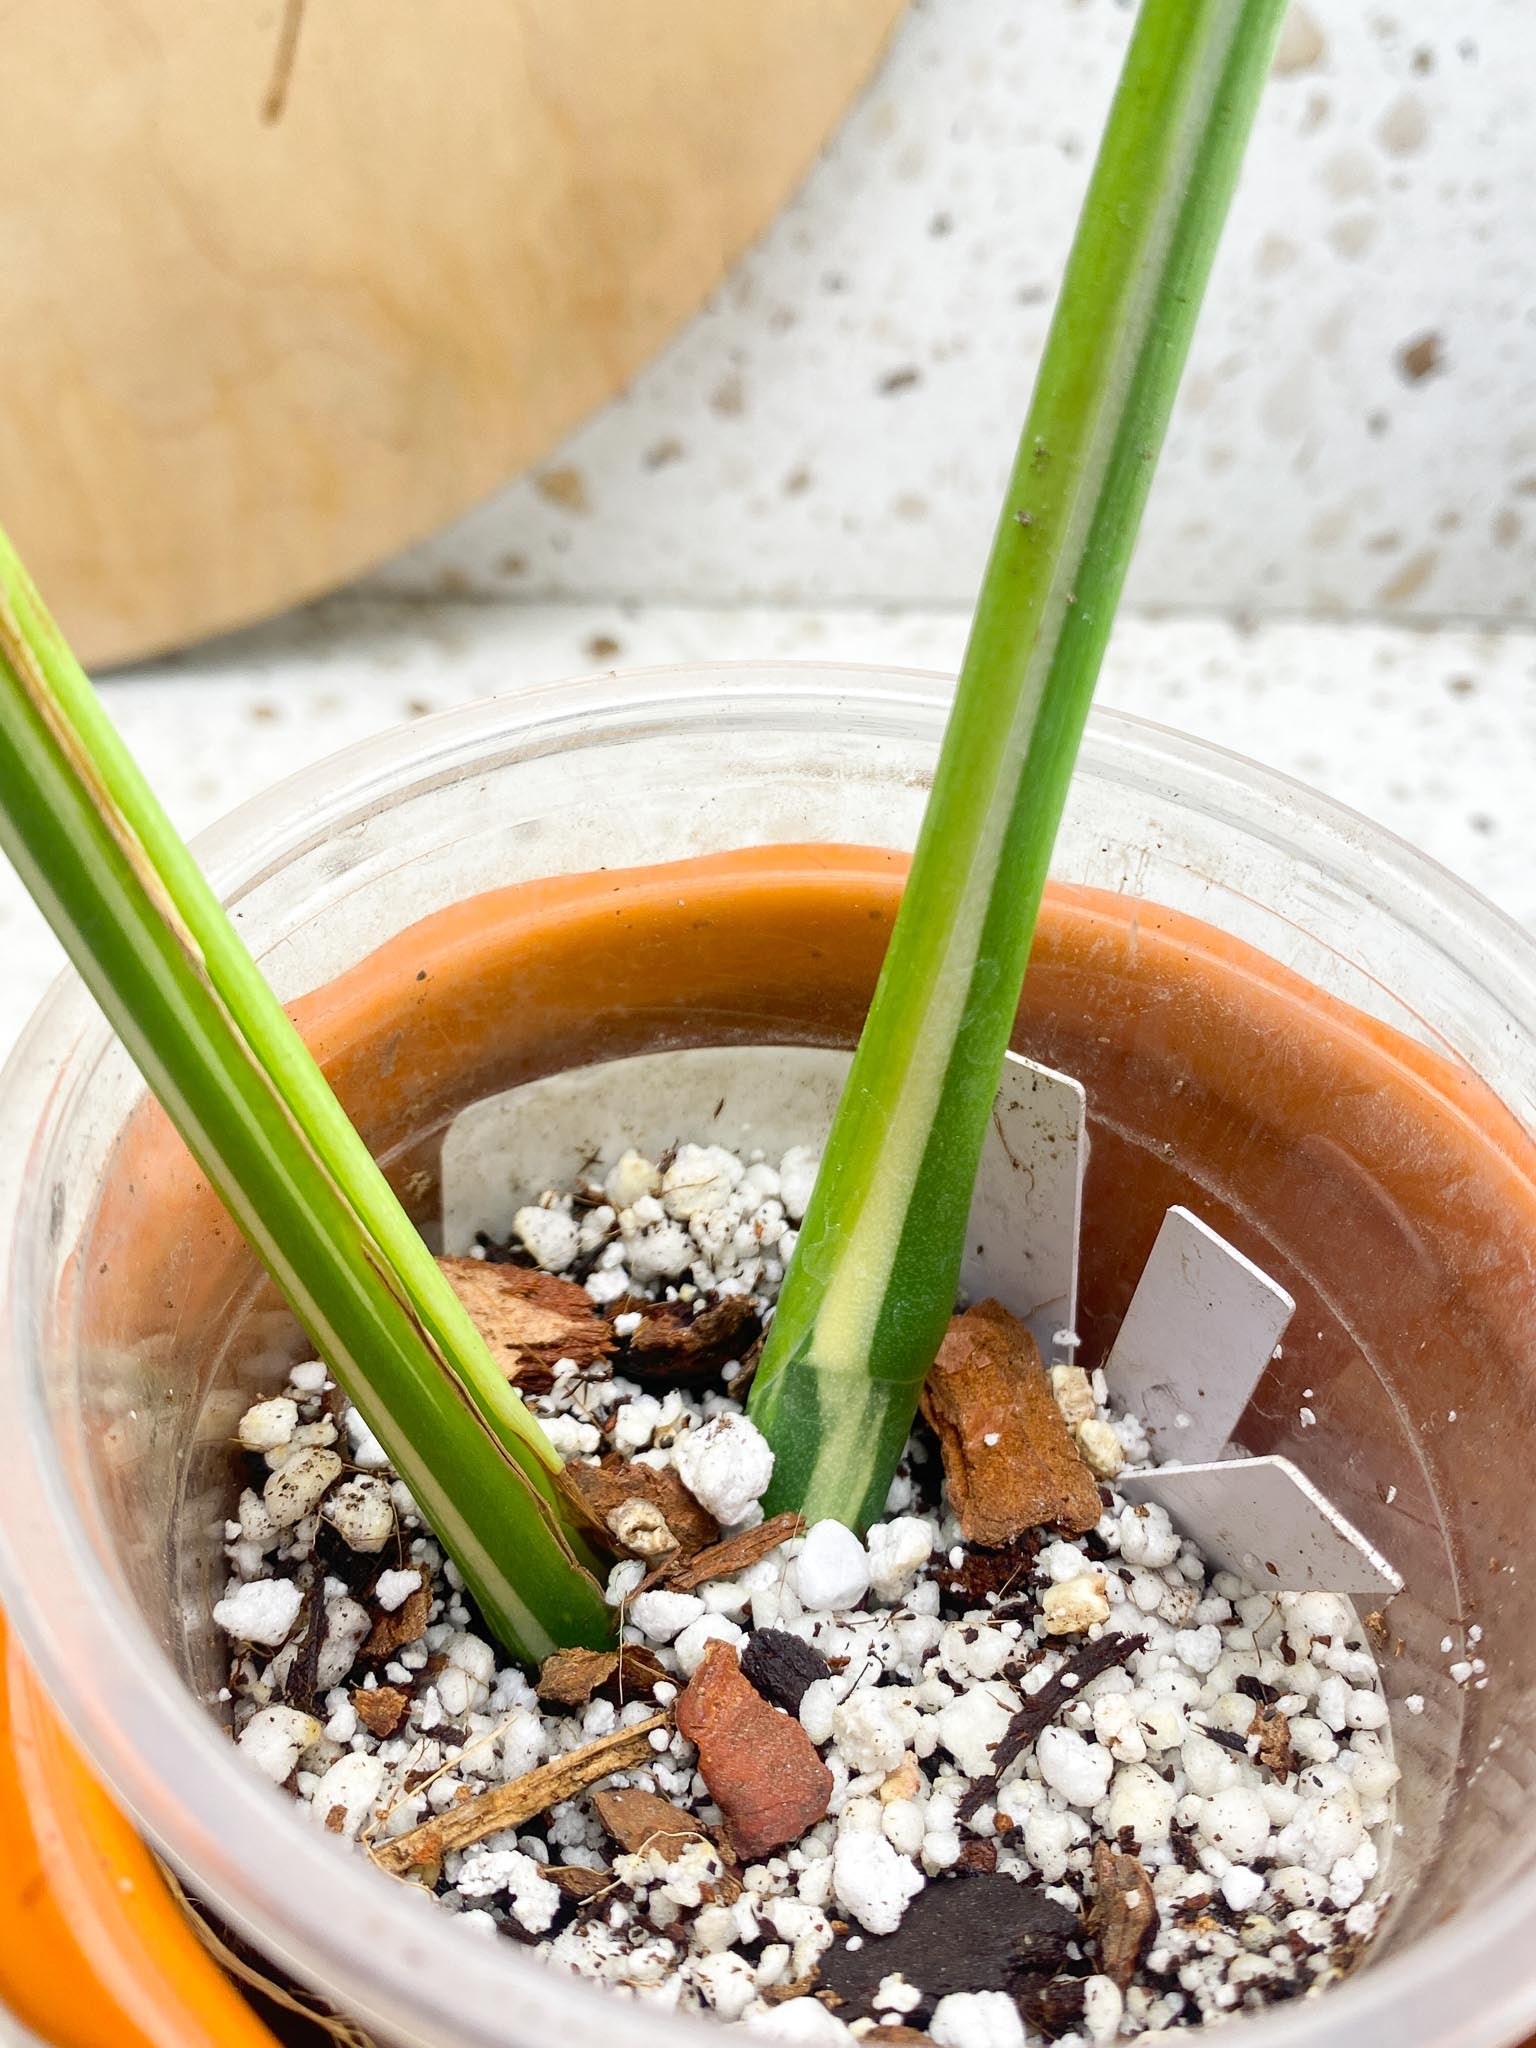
726, 1465
977, 2019
262, 1611
1073, 1606
832, 1570
275, 1738
391, 1590
550, 1237
297, 1487
700, 1178
662, 1615
362, 1512
871, 1881
918, 1688
269, 1424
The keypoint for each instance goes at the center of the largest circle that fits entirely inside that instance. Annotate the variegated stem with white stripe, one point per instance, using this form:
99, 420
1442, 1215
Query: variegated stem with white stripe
163, 959
872, 1282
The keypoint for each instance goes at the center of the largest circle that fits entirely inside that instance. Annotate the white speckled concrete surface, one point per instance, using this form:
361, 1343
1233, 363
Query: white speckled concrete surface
1357, 431
1432, 732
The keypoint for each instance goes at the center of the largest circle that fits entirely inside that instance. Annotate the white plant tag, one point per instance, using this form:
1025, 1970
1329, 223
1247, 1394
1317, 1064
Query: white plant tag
1027, 1212
503, 1152
1202, 1326
1266, 1521
1196, 1338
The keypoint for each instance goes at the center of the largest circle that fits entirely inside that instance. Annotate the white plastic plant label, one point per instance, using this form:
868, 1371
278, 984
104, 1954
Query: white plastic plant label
1027, 1212
1197, 1336
503, 1152
1267, 1522
1202, 1326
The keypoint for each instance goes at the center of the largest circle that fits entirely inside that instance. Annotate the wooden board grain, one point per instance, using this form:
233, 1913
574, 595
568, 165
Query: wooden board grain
290, 283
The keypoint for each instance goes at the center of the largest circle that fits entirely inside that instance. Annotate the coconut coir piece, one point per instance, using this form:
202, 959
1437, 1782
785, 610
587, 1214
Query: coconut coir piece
761, 1767
782, 1667
1040, 1708
984, 1578
1009, 1458
530, 1320
1051, 2005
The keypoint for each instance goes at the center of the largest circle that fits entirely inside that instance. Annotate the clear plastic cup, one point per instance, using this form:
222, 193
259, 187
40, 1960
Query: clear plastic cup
1281, 1014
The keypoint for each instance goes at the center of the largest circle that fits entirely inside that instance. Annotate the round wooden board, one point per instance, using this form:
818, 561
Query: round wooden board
288, 285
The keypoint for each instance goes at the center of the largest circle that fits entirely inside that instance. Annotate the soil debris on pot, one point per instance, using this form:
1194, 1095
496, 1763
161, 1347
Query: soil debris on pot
1058, 1777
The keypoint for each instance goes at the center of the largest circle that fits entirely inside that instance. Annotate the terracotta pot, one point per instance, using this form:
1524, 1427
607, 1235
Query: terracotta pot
1355, 1147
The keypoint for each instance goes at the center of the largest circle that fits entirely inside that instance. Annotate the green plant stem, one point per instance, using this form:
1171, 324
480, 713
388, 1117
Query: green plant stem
166, 965
872, 1283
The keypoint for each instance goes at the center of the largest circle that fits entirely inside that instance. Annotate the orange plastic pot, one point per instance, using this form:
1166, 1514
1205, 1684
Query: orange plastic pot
95, 1951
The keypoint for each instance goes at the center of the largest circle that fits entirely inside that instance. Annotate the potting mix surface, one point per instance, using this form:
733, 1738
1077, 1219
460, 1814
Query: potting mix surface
1020, 1763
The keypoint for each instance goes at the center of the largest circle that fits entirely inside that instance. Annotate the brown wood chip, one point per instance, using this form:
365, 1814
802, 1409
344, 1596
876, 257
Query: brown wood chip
608, 1489
1274, 1732
640, 1671
381, 1708
530, 1320
639, 1820
407, 1624
897, 2037
509, 1805
569, 1678
1123, 1917
1009, 1459
724, 1560
575, 1881
672, 1344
